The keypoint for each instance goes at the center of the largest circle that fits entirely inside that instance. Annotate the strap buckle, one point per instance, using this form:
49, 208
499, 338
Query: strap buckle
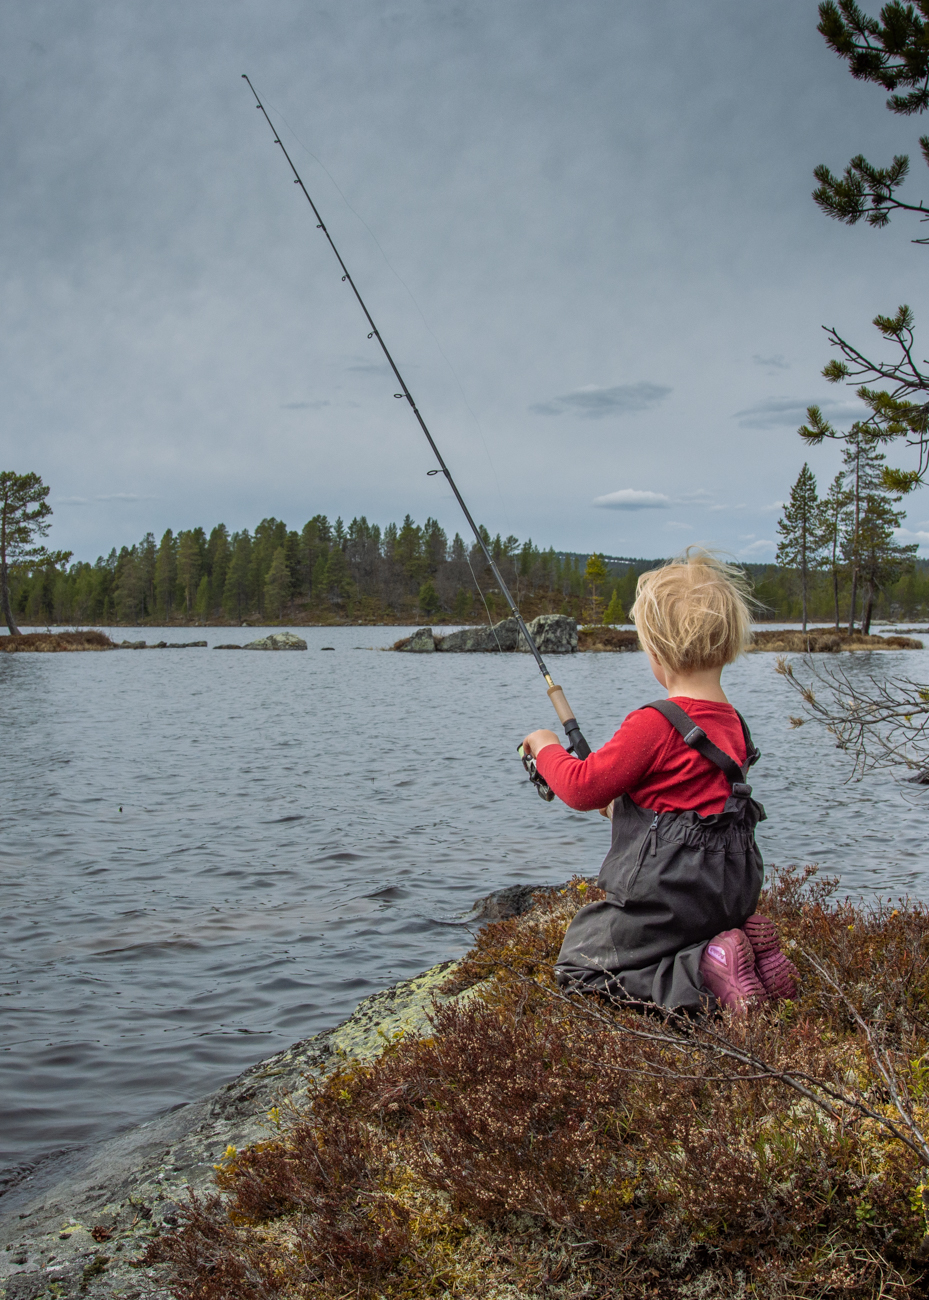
694, 736
741, 790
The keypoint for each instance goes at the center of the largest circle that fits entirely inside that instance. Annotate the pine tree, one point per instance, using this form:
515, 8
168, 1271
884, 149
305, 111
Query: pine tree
165, 575
188, 565
147, 557
801, 545
24, 515
235, 591
277, 583
595, 574
217, 562
319, 576
128, 591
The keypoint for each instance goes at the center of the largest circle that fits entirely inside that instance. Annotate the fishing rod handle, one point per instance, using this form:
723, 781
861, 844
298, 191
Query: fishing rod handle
567, 719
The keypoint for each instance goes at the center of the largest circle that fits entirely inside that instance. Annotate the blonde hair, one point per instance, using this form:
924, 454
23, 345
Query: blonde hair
693, 613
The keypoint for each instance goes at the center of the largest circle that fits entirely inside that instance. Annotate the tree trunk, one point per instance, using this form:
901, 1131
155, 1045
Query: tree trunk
851, 617
804, 579
835, 594
5, 599
866, 612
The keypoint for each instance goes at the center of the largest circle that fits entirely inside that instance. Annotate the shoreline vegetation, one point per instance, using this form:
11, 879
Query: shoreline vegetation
594, 640
528, 1143
403, 574
476, 1133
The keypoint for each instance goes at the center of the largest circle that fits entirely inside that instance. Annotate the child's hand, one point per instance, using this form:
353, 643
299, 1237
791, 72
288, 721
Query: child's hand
537, 740
608, 810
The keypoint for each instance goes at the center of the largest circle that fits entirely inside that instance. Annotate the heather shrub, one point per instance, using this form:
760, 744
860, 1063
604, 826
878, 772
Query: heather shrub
535, 1144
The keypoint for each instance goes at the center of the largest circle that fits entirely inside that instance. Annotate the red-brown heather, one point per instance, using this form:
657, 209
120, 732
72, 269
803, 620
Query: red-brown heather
533, 1144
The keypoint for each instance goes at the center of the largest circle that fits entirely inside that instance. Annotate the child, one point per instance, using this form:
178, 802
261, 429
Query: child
677, 927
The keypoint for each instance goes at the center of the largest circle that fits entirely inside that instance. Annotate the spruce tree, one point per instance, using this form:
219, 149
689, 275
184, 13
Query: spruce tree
277, 583
203, 605
165, 574
429, 601
800, 544
24, 515
877, 559
614, 612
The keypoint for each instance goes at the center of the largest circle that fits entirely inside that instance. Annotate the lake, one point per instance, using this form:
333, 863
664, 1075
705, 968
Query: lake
207, 856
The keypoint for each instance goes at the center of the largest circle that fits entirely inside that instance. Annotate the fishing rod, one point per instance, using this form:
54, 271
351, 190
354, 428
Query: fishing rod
576, 741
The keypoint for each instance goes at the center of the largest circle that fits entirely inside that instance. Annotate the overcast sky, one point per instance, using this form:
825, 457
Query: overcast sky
585, 230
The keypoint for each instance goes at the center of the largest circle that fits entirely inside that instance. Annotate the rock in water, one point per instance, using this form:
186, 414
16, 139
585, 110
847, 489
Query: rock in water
276, 641
422, 642
554, 634
502, 636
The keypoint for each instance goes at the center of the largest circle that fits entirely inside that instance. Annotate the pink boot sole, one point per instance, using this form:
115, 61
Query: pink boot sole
727, 968
777, 973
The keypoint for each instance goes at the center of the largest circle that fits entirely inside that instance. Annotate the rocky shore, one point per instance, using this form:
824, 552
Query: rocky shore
77, 1226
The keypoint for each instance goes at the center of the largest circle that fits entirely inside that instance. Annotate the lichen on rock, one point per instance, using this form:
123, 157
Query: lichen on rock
276, 641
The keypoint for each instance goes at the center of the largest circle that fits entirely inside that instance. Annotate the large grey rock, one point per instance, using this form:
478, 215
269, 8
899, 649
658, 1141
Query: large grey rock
277, 641
554, 634
502, 636
422, 642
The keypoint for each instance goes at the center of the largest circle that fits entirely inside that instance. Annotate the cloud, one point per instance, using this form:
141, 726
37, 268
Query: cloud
641, 499
107, 496
126, 496
763, 544
776, 362
906, 535
771, 412
304, 406
674, 523
633, 499
594, 403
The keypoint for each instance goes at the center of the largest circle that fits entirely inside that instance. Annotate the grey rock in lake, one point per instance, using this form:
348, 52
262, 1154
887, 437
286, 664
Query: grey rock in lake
422, 642
277, 641
470, 640
554, 634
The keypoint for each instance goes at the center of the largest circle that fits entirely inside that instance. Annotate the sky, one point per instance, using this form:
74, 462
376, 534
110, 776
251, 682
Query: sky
585, 232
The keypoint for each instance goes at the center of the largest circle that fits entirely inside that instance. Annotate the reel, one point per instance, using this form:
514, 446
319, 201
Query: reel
543, 790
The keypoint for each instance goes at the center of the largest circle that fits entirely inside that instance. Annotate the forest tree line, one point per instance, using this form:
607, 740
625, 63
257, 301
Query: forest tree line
326, 571
329, 572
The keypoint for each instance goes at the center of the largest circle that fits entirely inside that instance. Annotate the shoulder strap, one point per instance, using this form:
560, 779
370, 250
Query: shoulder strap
697, 739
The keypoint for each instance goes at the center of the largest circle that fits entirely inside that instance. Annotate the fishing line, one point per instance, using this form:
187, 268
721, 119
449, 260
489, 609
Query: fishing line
400, 279
490, 622
575, 739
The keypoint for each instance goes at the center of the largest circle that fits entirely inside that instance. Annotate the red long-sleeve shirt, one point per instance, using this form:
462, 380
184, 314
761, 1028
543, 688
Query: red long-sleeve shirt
648, 760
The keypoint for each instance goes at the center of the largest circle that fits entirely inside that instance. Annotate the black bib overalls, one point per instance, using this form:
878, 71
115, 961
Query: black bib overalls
673, 880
